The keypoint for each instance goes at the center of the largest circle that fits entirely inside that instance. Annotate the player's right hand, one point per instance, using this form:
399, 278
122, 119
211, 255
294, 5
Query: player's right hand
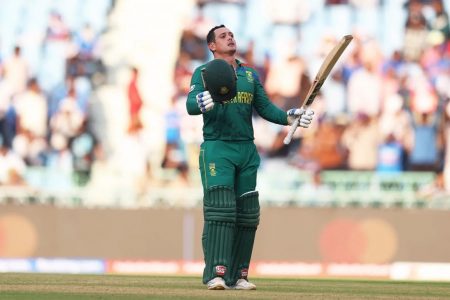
305, 116
204, 101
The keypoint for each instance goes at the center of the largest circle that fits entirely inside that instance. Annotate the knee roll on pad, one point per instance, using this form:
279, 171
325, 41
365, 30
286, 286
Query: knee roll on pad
219, 204
248, 210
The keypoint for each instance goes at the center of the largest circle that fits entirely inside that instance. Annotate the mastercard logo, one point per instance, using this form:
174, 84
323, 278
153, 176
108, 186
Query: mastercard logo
370, 241
18, 237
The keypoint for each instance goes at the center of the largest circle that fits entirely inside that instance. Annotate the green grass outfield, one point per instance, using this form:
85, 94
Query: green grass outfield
57, 287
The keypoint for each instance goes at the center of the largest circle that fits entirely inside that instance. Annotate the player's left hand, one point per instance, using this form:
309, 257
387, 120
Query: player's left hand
305, 116
204, 101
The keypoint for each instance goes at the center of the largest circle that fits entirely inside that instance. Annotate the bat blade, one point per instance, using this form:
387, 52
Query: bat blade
321, 76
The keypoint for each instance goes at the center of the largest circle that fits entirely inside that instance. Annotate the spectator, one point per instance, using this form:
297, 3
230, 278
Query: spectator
363, 80
305, 157
288, 79
83, 60
57, 29
84, 147
391, 83
134, 98
182, 74
16, 72
443, 83
422, 95
201, 24
287, 83
55, 50
7, 115
30, 113
86, 43
327, 148
31, 109
390, 155
77, 87
334, 95
31, 148
361, 139
395, 64
394, 120
193, 45
354, 59
69, 118
174, 155
425, 152
416, 32
12, 167
440, 23
59, 163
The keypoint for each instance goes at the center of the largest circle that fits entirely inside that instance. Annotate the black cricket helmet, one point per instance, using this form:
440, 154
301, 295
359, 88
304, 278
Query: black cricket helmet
219, 78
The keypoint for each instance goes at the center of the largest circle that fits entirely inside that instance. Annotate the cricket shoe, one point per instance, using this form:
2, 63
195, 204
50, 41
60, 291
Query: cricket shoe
243, 284
217, 284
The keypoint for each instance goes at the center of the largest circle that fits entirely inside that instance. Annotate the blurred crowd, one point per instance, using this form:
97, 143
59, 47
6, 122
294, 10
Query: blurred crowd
384, 108
47, 76
384, 111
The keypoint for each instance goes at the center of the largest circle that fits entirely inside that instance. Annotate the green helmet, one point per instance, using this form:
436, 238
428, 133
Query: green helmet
219, 78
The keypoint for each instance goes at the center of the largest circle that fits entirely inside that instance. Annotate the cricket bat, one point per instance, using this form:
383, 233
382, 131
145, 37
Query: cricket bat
321, 75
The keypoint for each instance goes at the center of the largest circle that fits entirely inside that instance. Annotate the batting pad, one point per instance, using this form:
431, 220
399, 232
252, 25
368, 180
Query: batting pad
219, 210
247, 221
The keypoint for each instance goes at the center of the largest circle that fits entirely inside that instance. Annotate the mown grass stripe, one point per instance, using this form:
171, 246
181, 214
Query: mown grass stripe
127, 287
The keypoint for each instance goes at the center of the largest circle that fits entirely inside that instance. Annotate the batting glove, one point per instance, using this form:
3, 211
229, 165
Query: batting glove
305, 116
204, 101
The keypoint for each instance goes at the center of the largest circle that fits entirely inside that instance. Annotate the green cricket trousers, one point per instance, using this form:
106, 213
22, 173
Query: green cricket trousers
230, 207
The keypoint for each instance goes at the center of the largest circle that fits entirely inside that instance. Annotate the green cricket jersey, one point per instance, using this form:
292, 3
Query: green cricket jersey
232, 120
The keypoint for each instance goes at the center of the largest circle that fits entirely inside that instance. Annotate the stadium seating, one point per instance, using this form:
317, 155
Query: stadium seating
344, 188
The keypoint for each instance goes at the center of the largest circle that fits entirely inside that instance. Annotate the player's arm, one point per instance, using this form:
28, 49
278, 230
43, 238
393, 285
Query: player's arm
198, 101
196, 87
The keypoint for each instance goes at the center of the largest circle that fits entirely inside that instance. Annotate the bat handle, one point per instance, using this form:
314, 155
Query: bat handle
294, 126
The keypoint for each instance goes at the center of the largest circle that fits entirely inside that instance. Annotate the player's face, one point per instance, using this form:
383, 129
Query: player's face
224, 42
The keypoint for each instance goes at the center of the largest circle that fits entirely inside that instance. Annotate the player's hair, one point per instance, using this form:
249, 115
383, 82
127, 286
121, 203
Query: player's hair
211, 36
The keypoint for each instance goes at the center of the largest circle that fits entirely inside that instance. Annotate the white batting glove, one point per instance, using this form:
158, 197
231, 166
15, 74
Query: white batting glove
305, 116
204, 101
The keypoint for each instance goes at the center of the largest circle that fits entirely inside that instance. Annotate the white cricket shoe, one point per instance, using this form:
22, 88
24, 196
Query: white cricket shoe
243, 284
217, 284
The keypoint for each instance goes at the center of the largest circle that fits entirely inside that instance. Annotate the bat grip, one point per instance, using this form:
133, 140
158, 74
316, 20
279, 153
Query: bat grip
294, 126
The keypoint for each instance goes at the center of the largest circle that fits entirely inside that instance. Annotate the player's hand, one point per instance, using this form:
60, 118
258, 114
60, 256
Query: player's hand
305, 116
204, 101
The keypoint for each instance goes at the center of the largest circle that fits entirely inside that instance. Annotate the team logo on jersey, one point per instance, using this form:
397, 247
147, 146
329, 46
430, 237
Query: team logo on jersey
192, 88
212, 169
249, 76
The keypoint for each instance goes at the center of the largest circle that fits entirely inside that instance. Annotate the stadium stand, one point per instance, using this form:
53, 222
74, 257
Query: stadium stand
93, 153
